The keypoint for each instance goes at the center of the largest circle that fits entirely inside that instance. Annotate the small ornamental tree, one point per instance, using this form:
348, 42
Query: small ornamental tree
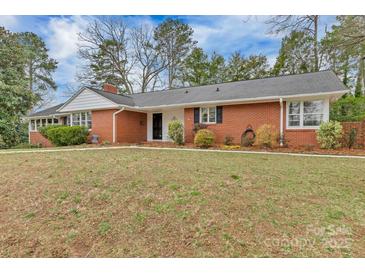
267, 136
204, 138
176, 131
329, 135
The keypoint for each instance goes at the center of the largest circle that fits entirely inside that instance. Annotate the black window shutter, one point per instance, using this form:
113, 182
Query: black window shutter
219, 114
196, 115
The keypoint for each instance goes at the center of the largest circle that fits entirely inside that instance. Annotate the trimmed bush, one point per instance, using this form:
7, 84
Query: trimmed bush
66, 135
44, 130
204, 138
267, 136
176, 131
329, 135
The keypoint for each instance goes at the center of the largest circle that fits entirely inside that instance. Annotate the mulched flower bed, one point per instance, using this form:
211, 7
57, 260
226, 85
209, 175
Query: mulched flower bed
306, 150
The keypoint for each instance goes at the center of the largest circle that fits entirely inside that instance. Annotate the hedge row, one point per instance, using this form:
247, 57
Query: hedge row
65, 135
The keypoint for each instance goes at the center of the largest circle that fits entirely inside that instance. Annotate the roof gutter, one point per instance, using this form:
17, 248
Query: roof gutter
114, 123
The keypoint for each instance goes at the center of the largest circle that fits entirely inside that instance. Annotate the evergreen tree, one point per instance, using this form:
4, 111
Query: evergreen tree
39, 67
16, 98
175, 42
241, 68
295, 55
196, 68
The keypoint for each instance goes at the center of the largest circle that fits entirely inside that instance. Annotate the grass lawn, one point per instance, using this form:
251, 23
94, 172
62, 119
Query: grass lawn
150, 203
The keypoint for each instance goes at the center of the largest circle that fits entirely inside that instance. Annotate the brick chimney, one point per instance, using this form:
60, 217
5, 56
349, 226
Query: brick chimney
110, 88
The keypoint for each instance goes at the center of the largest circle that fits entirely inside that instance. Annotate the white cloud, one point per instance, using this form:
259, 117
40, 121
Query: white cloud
62, 35
225, 34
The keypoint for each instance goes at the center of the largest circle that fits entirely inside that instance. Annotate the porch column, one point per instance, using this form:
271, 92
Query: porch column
281, 123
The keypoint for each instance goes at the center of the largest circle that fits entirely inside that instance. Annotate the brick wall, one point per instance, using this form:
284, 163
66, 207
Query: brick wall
299, 137
236, 118
102, 124
360, 132
37, 138
131, 127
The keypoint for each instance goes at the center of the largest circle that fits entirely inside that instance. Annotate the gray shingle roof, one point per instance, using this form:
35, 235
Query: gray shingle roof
308, 83
288, 85
116, 98
46, 112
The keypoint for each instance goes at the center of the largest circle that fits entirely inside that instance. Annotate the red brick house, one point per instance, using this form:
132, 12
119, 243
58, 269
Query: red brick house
294, 104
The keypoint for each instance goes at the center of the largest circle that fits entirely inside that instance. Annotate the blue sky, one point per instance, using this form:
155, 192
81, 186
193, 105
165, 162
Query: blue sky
223, 34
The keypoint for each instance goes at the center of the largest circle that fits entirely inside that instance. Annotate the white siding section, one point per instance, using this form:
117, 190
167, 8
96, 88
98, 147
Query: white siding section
88, 100
167, 116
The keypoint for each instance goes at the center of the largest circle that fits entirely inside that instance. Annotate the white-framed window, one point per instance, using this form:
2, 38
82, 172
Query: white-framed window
79, 119
32, 125
88, 119
305, 114
208, 115
76, 119
35, 124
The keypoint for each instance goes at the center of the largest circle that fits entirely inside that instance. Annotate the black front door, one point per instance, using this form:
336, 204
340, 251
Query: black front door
157, 126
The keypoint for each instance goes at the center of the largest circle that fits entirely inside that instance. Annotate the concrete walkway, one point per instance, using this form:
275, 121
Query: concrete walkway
176, 149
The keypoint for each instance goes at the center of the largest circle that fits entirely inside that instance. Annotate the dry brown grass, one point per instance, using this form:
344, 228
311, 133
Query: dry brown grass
138, 203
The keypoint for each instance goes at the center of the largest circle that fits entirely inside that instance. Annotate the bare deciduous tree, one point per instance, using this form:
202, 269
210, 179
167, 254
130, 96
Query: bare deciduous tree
305, 23
150, 61
105, 45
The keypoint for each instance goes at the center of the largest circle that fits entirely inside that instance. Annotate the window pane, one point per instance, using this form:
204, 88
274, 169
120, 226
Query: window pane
44, 122
49, 121
83, 118
204, 113
312, 119
313, 106
88, 118
76, 119
294, 120
67, 120
55, 121
38, 122
212, 115
294, 108
32, 125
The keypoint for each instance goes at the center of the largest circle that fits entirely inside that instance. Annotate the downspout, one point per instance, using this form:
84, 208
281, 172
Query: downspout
281, 123
114, 123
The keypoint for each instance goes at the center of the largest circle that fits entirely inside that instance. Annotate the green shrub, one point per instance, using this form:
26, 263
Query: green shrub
45, 129
204, 138
176, 131
228, 140
348, 109
329, 135
66, 135
267, 136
